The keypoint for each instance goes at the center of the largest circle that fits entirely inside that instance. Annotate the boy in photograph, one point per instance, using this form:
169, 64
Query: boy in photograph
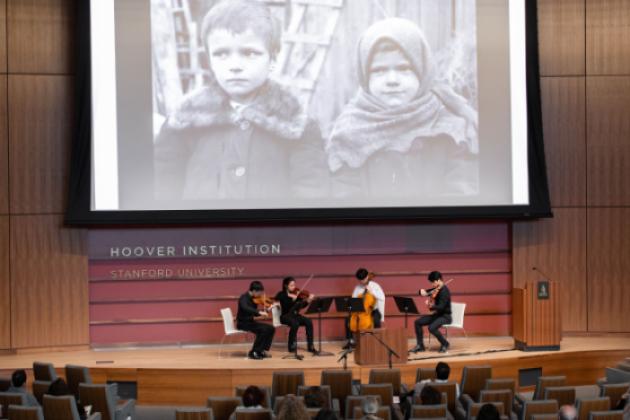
404, 134
243, 136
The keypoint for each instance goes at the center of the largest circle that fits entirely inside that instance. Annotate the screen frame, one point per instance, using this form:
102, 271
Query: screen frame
79, 194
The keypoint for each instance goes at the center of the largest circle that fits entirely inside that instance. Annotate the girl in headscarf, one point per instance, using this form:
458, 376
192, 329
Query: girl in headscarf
404, 133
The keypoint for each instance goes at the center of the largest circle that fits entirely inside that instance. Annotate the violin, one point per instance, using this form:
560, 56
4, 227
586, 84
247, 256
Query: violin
434, 292
266, 302
301, 294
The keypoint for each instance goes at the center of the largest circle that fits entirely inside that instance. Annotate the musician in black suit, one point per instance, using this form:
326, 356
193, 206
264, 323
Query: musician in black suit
291, 302
440, 307
246, 320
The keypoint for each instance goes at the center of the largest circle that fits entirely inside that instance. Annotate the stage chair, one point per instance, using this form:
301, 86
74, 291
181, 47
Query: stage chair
39, 389
76, 375
501, 383
353, 401
388, 376
240, 389
385, 391
286, 382
223, 407
614, 392
260, 414
228, 328
504, 396
276, 312
474, 379
384, 412
5, 384
193, 414
20, 412
65, 408
531, 407
563, 394
103, 399
279, 402
424, 374
458, 311
604, 415
430, 411
473, 409
542, 383
10, 398
329, 403
584, 406
44, 371
340, 383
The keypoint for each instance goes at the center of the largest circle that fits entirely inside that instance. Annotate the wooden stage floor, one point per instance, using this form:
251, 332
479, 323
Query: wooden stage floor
189, 374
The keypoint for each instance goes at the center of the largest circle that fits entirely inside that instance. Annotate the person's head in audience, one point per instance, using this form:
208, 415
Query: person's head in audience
442, 371
18, 379
325, 414
370, 407
253, 396
293, 409
567, 412
314, 397
59, 388
488, 412
430, 395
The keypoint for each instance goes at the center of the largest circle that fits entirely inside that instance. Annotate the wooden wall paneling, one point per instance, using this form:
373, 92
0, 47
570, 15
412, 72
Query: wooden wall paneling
608, 268
41, 123
561, 37
557, 247
608, 148
49, 293
3, 36
41, 36
4, 148
564, 123
5, 287
607, 37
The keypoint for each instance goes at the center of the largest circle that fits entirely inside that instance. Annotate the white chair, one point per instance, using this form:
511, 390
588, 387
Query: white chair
276, 312
228, 327
457, 314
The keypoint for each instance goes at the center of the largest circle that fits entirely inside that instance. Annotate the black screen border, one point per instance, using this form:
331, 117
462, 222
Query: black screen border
79, 192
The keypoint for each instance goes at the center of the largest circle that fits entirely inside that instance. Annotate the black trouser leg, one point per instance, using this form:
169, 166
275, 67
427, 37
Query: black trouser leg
264, 334
376, 318
294, 323
434, 328
308, 326
419, 323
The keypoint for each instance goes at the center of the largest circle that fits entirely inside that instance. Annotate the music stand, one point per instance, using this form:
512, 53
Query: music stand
350, 305
319, 306
406, 305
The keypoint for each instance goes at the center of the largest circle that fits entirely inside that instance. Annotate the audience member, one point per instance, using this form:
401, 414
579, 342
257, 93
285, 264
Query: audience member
314, 397
370, 408
252, 399
18, 386
567, 412
59, 388
325, 414
442, 372
488, 412
293, 409
430, 396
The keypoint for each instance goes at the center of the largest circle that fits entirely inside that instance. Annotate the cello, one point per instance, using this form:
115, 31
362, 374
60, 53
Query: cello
361, 321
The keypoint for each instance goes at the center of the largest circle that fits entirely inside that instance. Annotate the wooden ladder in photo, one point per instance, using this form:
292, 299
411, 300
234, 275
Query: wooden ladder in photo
187, 45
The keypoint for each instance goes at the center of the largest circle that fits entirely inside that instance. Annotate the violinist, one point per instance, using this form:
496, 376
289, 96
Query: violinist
245, 320
440, 306
367, 285
292, 300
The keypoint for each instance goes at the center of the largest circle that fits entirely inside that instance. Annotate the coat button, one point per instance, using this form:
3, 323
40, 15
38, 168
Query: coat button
240, 171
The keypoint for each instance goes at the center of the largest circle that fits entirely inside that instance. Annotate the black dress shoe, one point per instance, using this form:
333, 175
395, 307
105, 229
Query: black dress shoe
418, 348
254, 355
293, 348
313, 350
266, 355
444, 348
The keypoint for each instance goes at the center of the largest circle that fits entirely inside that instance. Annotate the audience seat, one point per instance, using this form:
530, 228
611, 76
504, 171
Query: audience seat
261, 414
614, 392
39, 389
430, 411
384, 412
565, 395
385, 391
65, 408
76, 375
103, 399
193, 414
388, 376
450, 388
44, 371
353, 401
606, 415
504, 396
541, 384
19, 412
584, 406
286, 382
223, 407
474, 380
240, 389
340, 382
329, 403
5, 384
279, 401
425, 373
10, 398
501, 383
473, 409
532, 407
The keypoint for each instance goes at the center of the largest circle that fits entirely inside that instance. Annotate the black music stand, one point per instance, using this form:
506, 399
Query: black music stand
350, 305
406, 305
320, 306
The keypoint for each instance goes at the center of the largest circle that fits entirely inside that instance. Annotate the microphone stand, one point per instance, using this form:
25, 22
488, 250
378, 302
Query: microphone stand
390, 351
344, 357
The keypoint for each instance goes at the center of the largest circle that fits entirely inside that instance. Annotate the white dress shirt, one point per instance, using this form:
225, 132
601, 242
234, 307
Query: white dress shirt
375, 289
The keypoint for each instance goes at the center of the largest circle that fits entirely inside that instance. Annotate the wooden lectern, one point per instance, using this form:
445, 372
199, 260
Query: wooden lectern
370, 351
536, 319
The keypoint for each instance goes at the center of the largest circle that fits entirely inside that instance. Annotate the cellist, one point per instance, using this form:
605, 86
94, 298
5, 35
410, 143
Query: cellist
367, 285
440, 307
